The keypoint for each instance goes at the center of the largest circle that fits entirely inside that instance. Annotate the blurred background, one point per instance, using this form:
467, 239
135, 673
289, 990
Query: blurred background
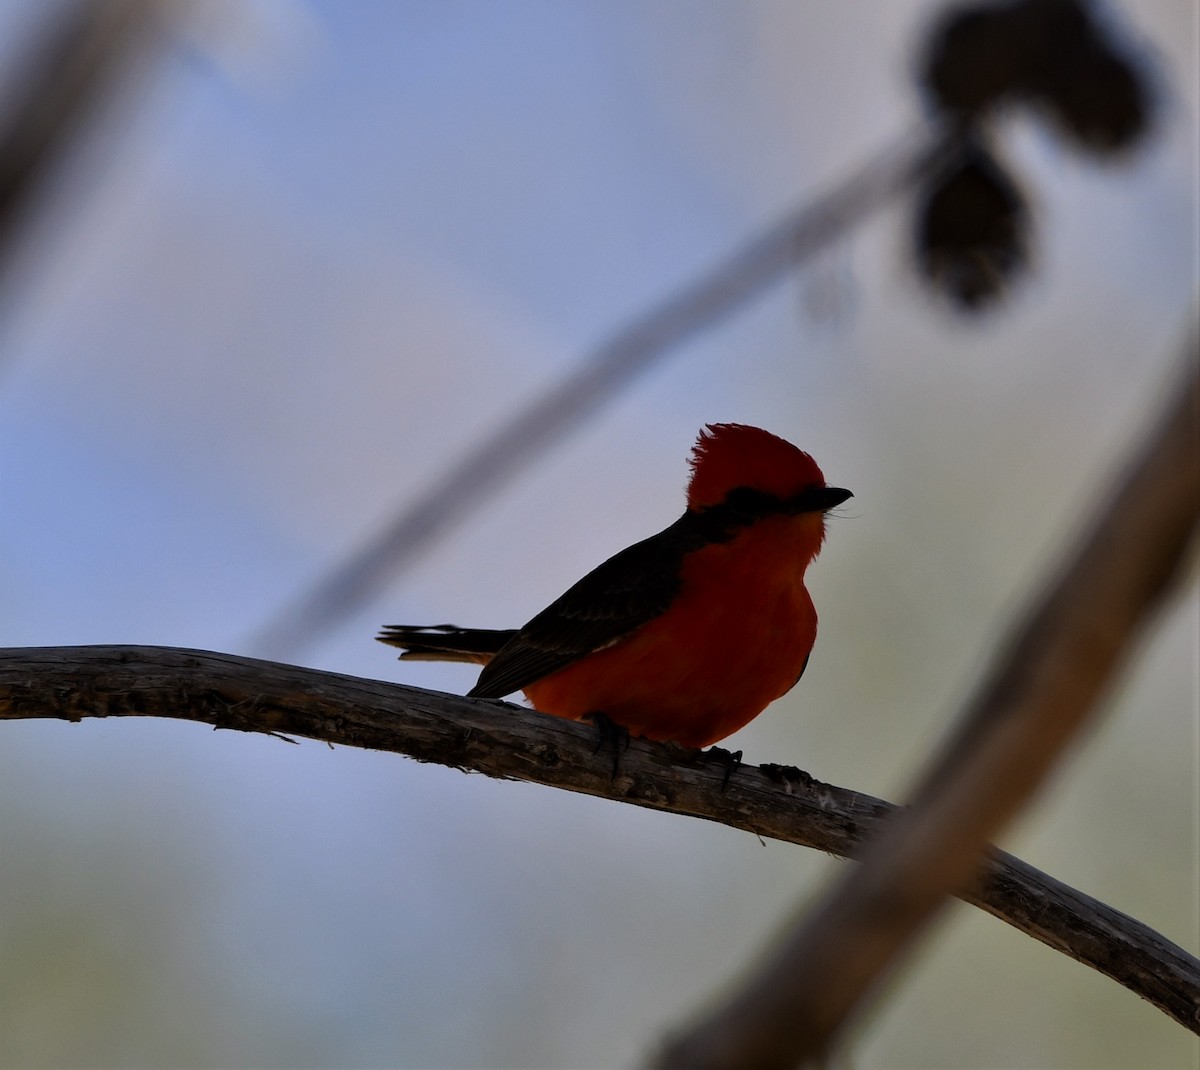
301, 257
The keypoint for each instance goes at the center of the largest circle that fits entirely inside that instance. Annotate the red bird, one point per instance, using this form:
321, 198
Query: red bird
689, 634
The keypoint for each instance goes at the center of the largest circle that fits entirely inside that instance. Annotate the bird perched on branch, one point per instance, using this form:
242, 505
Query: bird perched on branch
689, 634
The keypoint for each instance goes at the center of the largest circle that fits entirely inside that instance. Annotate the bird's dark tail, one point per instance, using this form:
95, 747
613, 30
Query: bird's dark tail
445, 642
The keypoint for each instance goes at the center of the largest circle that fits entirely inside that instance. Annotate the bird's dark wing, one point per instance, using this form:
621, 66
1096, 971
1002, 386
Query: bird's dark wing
629, 589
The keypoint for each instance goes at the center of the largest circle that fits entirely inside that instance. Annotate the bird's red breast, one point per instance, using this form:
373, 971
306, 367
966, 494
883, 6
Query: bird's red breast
735, 638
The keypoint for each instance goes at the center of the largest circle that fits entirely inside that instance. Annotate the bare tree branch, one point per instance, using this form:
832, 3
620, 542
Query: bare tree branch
511, 742
87, 48
1041, 691
527, 433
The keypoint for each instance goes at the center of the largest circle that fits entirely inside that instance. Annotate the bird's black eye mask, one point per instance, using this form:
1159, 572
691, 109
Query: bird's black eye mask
744, 506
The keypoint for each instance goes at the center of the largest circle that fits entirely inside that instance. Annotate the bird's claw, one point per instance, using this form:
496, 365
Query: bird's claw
788, 775
610, 733
731, 760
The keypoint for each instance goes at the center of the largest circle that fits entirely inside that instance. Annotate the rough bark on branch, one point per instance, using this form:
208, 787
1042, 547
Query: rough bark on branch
510, 742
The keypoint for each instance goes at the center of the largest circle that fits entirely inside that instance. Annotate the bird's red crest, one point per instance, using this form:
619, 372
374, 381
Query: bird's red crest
737, 455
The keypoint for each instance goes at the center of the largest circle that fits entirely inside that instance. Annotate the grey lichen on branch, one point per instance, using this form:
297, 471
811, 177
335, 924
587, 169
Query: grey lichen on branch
510, 742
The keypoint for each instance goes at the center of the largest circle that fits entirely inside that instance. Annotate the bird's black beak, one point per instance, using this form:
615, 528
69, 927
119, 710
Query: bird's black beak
835, 496
819, 499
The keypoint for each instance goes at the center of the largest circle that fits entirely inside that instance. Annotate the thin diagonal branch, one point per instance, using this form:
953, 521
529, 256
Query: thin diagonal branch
1041, 692
527, 433
510, 742
71, 71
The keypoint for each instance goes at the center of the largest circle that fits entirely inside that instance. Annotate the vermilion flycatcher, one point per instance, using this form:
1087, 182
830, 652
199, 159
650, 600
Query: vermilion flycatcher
689, 634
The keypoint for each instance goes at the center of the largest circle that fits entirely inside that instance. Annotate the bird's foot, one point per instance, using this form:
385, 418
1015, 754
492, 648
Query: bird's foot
787, 775
731, 760
609, 733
